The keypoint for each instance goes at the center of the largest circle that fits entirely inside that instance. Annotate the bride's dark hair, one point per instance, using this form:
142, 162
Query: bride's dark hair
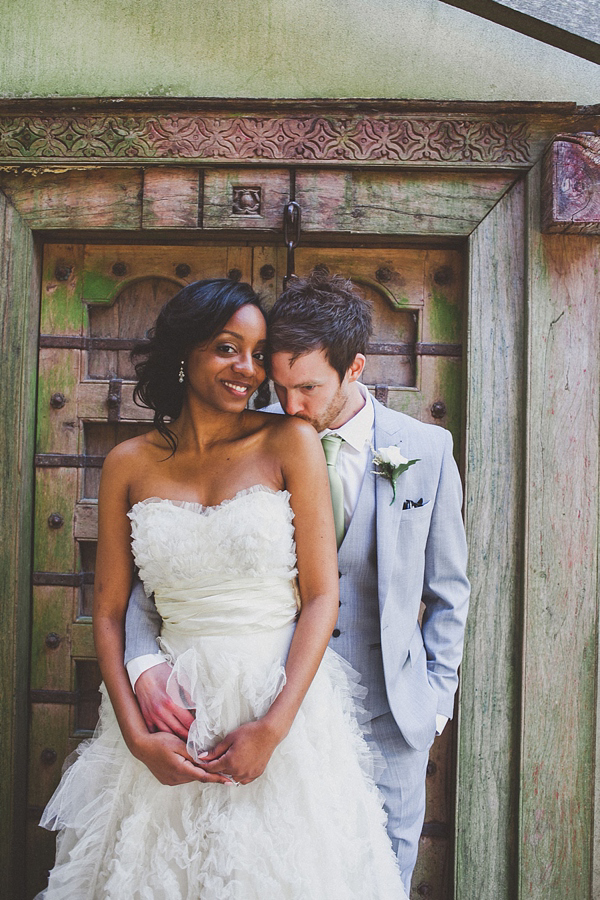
199, 311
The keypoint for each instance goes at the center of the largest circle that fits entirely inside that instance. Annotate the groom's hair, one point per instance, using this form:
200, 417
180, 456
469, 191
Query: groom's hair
321, 312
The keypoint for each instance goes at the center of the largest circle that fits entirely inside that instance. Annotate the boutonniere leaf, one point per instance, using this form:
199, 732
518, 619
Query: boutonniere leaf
390, 464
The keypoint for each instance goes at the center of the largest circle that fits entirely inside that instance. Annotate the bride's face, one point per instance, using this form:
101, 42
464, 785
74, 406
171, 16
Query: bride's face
226, 371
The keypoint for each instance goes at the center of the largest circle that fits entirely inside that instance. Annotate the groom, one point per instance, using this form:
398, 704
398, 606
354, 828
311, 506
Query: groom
393, 554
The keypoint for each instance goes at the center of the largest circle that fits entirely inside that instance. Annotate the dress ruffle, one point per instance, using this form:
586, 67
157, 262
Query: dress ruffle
312, 826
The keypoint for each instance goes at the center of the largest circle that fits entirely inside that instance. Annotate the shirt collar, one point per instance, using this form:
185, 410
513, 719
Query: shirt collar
358, 430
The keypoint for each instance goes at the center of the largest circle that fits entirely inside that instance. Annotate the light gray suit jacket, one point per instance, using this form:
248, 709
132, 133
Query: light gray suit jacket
421, 556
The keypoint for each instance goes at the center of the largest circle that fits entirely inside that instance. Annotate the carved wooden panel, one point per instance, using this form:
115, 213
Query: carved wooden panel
571, 185
336, 136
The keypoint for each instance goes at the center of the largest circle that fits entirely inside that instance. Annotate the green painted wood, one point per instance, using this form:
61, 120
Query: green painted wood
488, 738
62, 311
560, 611
19, 308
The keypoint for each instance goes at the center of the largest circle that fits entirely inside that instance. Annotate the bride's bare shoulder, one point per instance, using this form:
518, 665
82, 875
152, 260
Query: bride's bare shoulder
135, 453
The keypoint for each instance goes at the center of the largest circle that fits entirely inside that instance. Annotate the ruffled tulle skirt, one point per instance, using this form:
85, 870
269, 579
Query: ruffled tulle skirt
311, 827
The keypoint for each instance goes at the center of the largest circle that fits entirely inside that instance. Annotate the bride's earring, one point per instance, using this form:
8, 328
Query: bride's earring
181, 373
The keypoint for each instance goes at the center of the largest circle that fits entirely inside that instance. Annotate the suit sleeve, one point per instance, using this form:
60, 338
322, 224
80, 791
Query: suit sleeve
446, 587
142, 624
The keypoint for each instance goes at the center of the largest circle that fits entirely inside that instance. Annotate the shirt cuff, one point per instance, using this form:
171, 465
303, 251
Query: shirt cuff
140, 664
440, 721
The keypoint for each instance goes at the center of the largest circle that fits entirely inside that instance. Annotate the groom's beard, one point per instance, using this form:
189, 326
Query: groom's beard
326, 418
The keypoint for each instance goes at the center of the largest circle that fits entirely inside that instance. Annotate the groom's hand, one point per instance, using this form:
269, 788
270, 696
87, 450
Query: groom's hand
160, 712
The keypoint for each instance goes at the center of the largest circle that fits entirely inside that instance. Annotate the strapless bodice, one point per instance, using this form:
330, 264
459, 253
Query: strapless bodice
222, 569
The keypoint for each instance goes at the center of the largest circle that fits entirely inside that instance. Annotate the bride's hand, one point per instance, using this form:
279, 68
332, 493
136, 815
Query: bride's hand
167, 758
243, 754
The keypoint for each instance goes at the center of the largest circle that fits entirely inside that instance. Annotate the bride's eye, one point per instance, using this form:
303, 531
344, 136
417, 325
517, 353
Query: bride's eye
259, 356
226, 349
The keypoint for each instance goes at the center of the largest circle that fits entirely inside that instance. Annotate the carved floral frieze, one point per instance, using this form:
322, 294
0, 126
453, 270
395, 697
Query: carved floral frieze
299, 139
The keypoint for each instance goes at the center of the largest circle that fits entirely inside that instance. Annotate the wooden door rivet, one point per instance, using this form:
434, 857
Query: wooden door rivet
52, 640
267, 272
61, 273
182, 270
431, 768
438, 409
383, 274
234, 274
57, 400
48, 756
425, 890
443, 275
55, 520
119, 269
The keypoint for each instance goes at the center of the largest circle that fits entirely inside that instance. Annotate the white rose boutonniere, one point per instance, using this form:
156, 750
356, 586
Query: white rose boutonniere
390, 464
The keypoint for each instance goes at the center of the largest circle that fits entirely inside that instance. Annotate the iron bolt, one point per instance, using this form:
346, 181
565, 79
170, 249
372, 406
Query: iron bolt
119, 269
267, 272
234, 274
182, 270
443, 275
113, 400
48, 756
438, 409
58, 400
384, 274
61, 273
431, 768
425, 890
55, 520
52, 640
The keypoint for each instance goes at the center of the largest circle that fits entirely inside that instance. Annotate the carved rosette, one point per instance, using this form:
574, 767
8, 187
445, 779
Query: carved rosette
300, 139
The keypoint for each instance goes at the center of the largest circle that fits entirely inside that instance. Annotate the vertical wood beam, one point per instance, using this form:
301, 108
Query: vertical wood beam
19, 314
488, 737
560, 609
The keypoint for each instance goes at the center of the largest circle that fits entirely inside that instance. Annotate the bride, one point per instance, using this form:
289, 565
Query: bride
220, 508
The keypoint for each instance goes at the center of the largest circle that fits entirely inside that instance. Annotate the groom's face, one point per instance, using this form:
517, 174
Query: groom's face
309, 388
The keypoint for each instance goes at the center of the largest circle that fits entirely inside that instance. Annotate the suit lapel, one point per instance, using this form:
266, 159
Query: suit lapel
388, 514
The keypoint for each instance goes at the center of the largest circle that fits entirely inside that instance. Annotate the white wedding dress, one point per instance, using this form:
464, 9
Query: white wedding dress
312, 826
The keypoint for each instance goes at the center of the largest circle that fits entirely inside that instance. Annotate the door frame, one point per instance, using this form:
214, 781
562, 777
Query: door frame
138, 177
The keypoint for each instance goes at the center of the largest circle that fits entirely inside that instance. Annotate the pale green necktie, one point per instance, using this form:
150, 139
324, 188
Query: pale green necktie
331, 446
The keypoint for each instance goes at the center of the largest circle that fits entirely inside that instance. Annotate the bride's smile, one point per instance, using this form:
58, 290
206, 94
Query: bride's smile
224, 373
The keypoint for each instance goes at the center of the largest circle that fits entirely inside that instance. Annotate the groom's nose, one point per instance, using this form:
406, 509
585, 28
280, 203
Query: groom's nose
291, 404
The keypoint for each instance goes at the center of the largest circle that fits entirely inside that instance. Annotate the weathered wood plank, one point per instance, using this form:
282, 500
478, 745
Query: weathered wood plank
245, 198
19, 310
55, 494
488, 737
62, 311
560, 614
571, 185
76, 198
110, 268
53, 609
57, 425
397, 202
171, 198
85, 521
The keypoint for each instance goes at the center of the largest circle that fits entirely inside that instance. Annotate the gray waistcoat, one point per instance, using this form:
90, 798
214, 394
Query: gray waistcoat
359, 640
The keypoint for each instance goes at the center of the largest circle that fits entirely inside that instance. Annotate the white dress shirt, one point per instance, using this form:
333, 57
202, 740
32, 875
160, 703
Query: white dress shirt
352, 462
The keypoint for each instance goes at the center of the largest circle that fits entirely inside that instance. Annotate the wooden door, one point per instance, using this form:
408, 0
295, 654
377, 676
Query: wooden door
96, 300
